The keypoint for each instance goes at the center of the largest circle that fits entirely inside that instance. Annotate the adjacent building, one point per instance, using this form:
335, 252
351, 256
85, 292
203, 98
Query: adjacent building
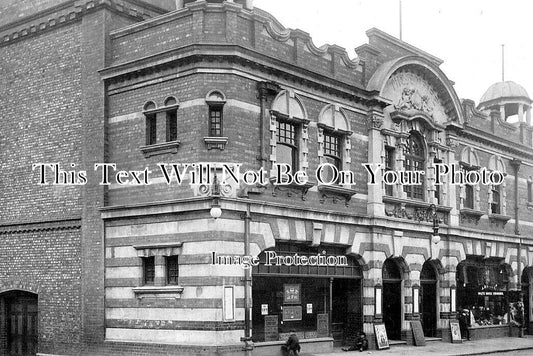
117, 116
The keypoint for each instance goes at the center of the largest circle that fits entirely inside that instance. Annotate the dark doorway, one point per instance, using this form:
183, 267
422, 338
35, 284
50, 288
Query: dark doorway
347, 311
525, 293
428, 300
392, 299
22, 323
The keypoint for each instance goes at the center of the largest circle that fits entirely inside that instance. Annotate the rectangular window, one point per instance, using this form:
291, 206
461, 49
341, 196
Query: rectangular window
530, 191
469, 197
151, 129
215, 120
389, 166
286, 148
495, 204
148, 270
415, 191
172, 126
172, 270
332, 155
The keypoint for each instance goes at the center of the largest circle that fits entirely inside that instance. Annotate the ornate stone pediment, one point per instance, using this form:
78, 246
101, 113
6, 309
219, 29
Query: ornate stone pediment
412, 93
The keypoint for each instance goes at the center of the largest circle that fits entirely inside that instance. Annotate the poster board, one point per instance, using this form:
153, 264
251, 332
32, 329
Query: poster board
271, 328
292, 312
418, 333
291, 293
322, 325
381, 336
455, 331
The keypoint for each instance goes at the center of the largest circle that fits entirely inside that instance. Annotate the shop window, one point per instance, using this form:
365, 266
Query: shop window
389, 166
298, 297
482, 288
148, 270
414, 161
172, 269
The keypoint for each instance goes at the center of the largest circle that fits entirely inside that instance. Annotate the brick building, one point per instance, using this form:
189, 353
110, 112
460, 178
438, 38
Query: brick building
130, 267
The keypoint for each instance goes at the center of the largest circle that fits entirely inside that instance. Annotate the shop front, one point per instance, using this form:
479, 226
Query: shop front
483, 294
314, 292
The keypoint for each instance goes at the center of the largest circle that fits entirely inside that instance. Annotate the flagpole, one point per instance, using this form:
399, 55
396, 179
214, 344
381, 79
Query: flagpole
400, 19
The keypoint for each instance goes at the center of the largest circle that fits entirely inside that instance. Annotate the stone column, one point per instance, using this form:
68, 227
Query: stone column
528, 116
451, 197
502, 112
375, 206
179, 4
249, 4
521, 113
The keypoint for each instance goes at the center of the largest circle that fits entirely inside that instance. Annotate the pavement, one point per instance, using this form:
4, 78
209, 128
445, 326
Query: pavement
478, 347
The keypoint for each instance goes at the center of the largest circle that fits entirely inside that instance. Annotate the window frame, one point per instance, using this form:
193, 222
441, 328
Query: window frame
412, 191
174, 261
146, 272
213, 108
294, 145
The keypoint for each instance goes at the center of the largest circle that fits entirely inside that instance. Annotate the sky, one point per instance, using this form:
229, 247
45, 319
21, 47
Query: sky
466, 34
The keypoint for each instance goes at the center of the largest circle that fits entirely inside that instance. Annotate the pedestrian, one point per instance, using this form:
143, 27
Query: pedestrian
464, 321
361, 343
292, 346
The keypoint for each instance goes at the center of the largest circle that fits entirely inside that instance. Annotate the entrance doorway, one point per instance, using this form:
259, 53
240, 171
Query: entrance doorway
347, 310
428, 300
21, 323
392, 299
525, 293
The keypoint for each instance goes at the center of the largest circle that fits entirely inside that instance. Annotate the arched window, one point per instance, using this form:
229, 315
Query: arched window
289, 119
215, 100
414, 161
390, 270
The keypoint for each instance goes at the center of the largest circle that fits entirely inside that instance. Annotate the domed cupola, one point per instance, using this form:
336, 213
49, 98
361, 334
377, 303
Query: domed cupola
509, 98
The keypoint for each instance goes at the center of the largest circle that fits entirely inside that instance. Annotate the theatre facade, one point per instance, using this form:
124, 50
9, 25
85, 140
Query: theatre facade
166, 259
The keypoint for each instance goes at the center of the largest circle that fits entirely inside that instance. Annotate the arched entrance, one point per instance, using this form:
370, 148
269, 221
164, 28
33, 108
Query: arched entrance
21, 322
392, 299
428, 299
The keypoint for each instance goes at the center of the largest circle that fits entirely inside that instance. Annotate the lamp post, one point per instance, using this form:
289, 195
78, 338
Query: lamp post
215, 213
432, 210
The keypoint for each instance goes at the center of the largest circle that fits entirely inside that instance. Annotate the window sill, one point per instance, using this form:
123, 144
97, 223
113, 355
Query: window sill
334, 191
291, 189
160, 148
213, 142
154, 291
499, 217
470, 215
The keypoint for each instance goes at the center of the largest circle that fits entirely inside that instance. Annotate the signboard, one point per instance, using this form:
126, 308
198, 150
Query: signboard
381, 336
322, 325
489, 293
291, 293
456, 333
264, 309
271, 328
418, 333
292, 312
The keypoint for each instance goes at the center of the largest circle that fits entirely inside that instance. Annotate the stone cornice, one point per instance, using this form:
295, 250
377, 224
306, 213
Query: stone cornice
69, 12
250, 58
492, 140
32, 226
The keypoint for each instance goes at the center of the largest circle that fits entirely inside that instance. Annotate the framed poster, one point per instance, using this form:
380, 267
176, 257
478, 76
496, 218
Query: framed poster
291, 293
456, 333
271, 328
292, 312
381, 336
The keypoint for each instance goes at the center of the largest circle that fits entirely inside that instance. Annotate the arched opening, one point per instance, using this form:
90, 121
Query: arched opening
428, 299
20, 326
415, 160
315, 291
392, 298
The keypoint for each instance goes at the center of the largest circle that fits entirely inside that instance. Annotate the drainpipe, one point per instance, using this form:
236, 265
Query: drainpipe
247, 285
515, 163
